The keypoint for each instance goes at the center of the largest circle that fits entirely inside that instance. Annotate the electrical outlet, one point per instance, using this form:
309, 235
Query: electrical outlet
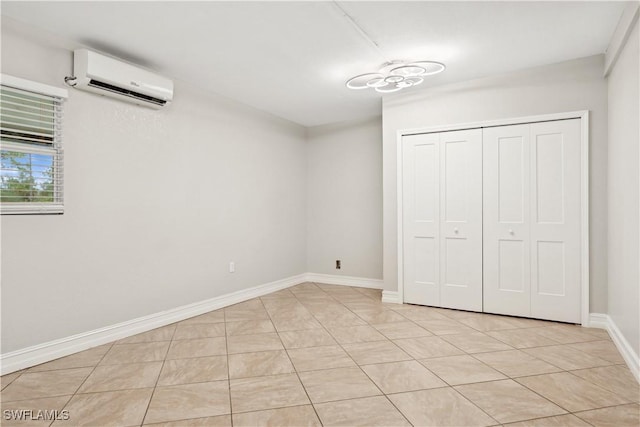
338, 264
232, 267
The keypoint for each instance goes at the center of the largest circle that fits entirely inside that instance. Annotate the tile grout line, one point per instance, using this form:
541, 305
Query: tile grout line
597, 409
20, 372
594, 384
413, 358
226, 346
548, 399
575, 413
85, 380
164, 359
295, 370
523, 349
448, 384
362, 370
485, 333
349, 356
558, 343
469, 354
360, 367
325, 328
533, 391
474, 355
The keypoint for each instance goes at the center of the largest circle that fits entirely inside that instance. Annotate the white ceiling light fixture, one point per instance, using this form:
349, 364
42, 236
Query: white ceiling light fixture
396, 75
393, 75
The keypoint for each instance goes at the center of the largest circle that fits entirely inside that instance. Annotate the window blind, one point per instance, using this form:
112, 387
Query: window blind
31, 164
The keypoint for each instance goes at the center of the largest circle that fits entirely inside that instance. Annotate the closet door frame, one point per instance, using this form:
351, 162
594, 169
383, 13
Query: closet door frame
390, 296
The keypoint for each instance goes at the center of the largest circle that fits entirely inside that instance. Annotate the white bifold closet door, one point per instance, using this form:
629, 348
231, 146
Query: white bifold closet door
442, 219
532, 220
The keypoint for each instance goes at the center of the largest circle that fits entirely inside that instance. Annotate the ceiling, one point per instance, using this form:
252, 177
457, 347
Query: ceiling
293, 58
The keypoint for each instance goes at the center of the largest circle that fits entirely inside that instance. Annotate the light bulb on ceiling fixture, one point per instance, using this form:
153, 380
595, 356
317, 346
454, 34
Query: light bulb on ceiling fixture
396, 75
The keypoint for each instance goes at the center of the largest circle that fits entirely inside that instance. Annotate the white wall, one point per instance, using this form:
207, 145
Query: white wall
623, 186
156, 205
344, 191
568, 86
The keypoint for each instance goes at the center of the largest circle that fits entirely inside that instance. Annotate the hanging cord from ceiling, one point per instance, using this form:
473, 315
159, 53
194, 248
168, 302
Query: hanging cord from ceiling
358, 29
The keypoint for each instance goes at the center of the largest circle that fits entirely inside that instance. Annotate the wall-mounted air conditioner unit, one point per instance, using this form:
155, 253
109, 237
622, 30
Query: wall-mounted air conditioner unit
106, 76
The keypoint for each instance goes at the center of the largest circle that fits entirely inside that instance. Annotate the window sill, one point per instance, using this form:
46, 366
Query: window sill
30, 209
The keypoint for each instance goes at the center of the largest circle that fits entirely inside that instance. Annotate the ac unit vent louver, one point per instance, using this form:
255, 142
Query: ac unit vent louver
126, 92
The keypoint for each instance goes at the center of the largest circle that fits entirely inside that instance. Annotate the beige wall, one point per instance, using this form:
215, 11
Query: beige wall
156, 205
344, 192
568, 86
624, 191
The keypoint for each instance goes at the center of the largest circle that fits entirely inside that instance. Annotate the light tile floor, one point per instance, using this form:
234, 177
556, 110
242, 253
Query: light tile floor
329, 355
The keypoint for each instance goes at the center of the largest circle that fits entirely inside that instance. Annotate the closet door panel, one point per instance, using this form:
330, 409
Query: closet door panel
461, 219
506, 239
421, 217
556, 220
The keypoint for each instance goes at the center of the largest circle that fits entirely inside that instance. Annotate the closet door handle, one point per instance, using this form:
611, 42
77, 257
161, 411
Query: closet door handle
455, 230
511, 231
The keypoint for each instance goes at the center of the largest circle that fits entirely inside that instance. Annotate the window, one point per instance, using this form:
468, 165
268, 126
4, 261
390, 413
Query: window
31, 157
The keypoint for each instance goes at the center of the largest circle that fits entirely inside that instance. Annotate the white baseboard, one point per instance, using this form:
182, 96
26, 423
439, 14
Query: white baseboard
392, 297
598, 320
604, 321
332, 279
41, 353
37, 354
45, 352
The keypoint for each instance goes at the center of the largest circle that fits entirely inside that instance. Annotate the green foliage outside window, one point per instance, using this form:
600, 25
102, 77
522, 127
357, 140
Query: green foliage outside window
26, 177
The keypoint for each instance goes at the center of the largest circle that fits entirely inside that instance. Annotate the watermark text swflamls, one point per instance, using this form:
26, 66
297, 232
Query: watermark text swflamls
35, 415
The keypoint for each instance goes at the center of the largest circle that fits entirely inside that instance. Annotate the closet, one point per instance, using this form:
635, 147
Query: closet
491, 219
443, 219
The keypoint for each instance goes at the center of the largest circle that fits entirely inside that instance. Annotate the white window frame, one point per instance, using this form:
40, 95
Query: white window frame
57, 206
